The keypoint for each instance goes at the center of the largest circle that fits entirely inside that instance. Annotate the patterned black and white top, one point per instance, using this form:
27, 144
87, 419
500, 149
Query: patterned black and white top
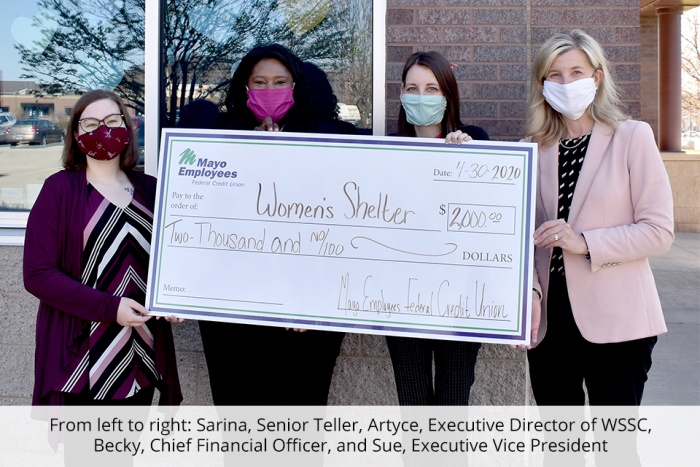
571, 155
113, 361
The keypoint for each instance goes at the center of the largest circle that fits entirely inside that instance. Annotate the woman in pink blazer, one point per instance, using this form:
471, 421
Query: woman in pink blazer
604, 206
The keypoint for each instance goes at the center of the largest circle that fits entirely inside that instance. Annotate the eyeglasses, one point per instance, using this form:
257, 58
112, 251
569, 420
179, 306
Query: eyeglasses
89, 125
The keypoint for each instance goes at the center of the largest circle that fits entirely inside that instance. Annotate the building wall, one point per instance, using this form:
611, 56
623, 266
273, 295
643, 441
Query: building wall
363, 374
684, 172
17, 315
62, 105
492, 42
650, 72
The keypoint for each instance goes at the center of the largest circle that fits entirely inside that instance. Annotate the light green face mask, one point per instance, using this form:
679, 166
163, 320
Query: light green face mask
423, 110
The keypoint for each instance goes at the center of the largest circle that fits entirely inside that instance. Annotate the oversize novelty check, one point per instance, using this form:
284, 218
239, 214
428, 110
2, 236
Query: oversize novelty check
398, 236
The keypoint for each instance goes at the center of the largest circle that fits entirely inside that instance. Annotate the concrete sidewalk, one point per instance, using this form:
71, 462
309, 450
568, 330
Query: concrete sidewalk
674, 378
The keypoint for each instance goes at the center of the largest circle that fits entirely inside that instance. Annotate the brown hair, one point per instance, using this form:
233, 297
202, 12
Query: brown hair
73, 157
448, 86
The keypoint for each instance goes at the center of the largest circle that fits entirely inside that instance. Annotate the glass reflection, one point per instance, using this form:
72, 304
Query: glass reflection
53, 51
205, 39
56, 49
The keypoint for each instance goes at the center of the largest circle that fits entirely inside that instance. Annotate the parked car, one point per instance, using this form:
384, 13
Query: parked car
7, 119
34, 131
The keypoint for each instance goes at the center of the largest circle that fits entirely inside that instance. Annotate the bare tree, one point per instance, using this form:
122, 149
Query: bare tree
352, 79
202, 44
690, 40
88, 44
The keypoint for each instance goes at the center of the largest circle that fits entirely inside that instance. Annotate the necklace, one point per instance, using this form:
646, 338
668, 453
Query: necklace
573, 143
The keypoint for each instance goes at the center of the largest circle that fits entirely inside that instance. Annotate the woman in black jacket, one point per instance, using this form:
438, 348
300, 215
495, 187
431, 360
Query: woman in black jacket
430, 109
262, 365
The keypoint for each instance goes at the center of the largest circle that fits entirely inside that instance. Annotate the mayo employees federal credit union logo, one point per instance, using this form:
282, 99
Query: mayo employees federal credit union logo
196, 167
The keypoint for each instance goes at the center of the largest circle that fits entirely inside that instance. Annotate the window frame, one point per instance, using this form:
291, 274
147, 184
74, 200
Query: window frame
14, 224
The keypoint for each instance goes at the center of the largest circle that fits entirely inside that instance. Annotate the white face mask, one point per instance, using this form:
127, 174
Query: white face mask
571, 99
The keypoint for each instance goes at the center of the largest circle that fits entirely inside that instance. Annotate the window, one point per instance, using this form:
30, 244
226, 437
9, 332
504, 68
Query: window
36, 110
47, 63
201, 48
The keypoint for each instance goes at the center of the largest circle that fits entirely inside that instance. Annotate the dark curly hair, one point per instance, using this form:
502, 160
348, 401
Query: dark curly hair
235, 107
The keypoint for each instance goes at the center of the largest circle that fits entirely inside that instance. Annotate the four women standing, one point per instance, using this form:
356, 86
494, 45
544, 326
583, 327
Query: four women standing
603, 207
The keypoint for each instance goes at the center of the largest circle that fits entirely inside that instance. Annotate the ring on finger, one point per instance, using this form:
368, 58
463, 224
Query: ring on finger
556, 237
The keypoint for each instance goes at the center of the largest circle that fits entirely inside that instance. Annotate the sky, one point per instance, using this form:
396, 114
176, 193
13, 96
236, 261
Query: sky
17, 14
24, 23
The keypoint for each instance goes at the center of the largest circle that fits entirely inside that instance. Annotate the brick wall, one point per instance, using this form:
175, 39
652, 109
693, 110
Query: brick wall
17, 317
493, 42
684, 172
650, 71
363, 373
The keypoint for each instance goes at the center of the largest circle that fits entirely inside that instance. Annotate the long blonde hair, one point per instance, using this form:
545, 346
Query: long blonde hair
544, 124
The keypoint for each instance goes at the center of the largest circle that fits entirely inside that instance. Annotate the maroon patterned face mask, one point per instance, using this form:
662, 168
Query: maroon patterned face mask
104, 143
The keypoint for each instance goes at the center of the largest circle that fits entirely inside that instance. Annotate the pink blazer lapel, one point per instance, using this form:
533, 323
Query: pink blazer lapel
548, 180
597, 151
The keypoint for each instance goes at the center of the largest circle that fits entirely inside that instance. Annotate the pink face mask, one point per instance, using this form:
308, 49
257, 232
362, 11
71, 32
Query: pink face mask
104, 143
273, 103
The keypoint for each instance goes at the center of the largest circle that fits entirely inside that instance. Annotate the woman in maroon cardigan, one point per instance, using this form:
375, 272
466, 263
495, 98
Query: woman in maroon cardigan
86, 259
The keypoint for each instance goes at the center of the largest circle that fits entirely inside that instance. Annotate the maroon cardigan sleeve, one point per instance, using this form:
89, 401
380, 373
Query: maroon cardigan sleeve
52, 252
